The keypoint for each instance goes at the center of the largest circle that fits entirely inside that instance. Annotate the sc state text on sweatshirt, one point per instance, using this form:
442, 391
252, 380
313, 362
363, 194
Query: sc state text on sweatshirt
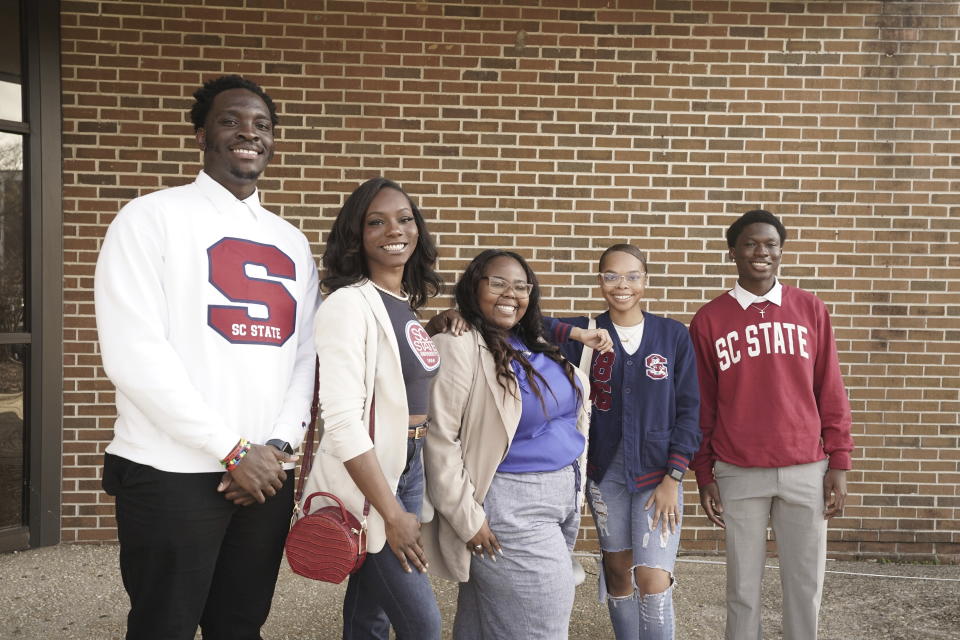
255, 331
767, 338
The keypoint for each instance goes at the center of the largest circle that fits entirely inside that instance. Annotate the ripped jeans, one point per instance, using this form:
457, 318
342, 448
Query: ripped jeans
622, 523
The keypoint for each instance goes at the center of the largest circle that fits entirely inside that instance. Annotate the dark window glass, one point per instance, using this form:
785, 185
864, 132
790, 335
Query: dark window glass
11, 83
12, 373
12, 237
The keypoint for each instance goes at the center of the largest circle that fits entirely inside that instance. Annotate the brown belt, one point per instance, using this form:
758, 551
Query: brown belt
418, 431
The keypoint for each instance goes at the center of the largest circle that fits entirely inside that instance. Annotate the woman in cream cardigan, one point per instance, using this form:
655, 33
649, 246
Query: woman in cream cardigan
375, 364
504, 459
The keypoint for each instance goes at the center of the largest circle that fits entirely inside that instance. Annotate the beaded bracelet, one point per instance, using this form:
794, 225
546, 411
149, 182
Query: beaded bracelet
233, 452
234, 457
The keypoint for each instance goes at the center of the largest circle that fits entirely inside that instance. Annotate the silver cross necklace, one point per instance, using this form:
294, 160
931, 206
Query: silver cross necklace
762, 311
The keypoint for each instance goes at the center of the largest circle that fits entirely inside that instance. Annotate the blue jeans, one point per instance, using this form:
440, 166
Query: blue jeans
622, 523
381, 593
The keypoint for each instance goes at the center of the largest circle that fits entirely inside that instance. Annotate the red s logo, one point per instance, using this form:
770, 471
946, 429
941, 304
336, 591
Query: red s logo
656, 366
227, 260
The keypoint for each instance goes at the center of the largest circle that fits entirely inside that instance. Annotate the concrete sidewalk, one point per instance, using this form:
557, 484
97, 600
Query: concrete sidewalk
74, 592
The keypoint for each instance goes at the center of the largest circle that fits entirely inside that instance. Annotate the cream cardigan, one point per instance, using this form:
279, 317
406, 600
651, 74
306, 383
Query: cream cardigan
358, 354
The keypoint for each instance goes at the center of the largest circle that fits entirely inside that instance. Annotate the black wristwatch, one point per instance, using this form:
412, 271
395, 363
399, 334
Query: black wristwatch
676, 474
280, 445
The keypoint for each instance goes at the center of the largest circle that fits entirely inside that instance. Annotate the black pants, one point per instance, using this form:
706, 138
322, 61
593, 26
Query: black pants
189, 557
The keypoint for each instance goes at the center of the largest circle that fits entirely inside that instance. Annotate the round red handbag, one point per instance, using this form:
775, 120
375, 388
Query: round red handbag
328, 544
331, 543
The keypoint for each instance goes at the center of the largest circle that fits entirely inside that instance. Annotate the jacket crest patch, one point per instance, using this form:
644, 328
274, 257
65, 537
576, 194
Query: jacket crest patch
656, 367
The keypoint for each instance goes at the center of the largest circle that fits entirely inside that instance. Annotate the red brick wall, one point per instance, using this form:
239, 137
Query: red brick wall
557, 128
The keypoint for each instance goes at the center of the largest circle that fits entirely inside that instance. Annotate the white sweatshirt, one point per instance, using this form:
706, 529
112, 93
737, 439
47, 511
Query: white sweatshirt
205, 309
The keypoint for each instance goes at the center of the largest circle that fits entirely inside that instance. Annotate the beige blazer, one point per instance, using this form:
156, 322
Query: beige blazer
358, 354
473, 420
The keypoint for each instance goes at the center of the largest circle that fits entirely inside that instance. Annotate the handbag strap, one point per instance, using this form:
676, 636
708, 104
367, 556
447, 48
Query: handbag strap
586, 356
307, 466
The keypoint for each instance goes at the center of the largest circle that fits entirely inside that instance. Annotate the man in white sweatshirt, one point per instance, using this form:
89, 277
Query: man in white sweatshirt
205, 303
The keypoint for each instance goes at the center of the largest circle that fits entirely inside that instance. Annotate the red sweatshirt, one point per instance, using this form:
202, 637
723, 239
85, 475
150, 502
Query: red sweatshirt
771, 394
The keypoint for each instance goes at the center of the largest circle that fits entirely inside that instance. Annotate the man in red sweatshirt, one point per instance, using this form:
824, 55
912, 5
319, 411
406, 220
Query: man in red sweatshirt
776, 429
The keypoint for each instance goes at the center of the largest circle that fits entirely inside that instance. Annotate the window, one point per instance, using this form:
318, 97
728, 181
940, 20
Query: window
14, 340
30, 267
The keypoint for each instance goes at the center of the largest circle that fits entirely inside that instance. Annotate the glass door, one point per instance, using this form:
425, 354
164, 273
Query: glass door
14, 332
31, 274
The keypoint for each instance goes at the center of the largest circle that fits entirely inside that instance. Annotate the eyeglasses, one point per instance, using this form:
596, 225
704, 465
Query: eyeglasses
498, 286
632, 277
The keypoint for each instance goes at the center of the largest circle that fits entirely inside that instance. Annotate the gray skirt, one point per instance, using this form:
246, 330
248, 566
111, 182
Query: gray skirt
528, 592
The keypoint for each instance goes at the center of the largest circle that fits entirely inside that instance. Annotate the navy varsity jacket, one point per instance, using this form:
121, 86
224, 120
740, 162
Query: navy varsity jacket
650, 399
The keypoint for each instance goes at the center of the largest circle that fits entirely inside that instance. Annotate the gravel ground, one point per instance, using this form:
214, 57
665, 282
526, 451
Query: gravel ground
74, 592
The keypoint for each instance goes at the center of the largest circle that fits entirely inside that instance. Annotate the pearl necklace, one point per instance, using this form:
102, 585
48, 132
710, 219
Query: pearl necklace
401, 296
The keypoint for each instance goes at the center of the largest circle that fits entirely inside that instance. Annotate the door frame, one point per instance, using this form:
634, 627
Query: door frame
43, 207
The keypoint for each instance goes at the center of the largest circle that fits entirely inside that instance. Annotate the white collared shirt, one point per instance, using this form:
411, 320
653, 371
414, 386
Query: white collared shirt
744, 298
226, 203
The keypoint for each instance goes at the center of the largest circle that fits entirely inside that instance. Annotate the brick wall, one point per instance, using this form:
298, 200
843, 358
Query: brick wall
557, 128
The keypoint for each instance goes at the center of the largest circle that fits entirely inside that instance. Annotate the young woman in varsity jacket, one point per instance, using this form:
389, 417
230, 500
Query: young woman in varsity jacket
376, 362
643, 433
776, 429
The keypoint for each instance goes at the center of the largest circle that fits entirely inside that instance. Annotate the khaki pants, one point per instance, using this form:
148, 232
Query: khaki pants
792, 498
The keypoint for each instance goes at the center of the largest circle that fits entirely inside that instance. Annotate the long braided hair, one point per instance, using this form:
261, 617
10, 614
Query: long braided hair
529, 330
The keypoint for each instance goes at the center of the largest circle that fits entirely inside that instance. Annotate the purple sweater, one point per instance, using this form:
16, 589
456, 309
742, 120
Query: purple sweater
544, 441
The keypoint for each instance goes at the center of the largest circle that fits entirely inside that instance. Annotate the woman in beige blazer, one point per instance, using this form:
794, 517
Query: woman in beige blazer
504, 459
375, 362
